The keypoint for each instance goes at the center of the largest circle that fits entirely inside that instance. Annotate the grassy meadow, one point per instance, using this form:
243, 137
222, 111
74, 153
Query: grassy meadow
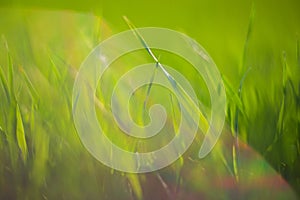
256, 46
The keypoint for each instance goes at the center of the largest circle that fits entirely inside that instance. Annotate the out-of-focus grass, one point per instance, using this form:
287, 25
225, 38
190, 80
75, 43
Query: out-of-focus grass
41, 51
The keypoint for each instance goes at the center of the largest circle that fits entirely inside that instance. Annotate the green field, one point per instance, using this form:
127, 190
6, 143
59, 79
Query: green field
256, 47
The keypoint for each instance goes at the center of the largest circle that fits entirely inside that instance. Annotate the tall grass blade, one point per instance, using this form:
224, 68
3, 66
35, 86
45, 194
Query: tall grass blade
32, 118
149, 87
20, 133
235, 150
135, 185
235, 159
148, 93
11, 116
180, 161
10, 75
226, 164
2, 137
298, 52
174, 122
1, 130
165, 186
236, 121
280, 121
284, 90
232, 94
10, 82
30, 86
234, 112
4, 84
54, 69
249, 32
186, 100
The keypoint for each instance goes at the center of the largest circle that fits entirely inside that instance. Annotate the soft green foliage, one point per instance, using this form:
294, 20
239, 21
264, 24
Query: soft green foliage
255, 45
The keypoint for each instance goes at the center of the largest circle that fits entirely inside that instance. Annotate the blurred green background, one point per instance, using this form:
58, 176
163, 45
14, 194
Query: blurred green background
44, 42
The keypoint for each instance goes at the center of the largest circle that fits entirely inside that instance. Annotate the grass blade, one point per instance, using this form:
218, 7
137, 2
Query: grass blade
149, 88
186, 100
41, 144
165, 186
134, 181
249, 32
54, 69
298, 52
10, 75
32, 118
4, 84
240, 96
30, 86
232, 94
174, 122
20, 133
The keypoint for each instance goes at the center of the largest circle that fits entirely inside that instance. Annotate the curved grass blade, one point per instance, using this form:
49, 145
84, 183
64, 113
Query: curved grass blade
30, 86
20, 133
187, 101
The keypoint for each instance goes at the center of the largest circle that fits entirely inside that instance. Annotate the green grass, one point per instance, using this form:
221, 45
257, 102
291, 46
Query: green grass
255, 48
